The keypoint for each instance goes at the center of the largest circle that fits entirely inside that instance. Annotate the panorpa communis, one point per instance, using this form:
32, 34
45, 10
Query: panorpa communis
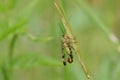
66, 44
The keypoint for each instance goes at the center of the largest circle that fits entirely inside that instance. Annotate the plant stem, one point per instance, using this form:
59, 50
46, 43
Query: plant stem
4, 71
7, 68
67, 27
90, 13
10, 56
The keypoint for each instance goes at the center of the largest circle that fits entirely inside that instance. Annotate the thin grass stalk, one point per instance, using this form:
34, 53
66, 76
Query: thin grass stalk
67, 27
10, 55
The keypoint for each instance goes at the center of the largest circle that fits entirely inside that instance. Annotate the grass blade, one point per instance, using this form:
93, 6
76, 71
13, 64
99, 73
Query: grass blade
100, 24
31, 60
12, 29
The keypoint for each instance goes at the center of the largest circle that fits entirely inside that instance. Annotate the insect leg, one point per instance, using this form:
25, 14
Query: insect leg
70, 59
63, 56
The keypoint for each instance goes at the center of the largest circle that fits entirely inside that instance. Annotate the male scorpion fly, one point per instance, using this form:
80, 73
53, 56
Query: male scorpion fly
67, 48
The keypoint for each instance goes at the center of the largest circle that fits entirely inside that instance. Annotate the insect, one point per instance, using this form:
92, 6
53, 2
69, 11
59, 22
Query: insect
67, 49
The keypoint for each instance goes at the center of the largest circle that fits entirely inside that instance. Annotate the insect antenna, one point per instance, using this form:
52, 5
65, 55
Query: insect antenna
62, 28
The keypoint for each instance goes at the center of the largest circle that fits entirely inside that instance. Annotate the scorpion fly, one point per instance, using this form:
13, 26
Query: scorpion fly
67, 49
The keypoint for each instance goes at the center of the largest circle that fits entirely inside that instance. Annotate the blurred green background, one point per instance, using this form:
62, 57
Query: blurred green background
30, 47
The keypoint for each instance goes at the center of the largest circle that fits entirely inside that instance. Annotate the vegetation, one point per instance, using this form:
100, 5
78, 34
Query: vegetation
30, 39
